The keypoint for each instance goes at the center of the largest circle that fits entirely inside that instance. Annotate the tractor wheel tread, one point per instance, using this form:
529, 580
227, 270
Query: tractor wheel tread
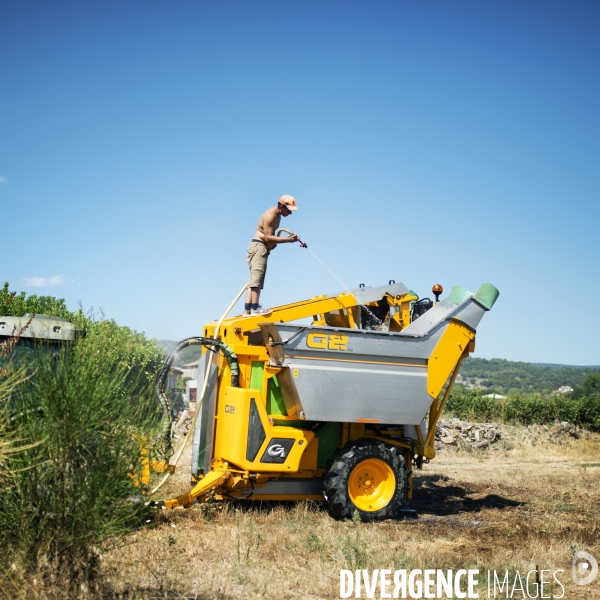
335, 479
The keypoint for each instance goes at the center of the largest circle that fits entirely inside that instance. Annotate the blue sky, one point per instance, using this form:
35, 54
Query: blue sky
426, 142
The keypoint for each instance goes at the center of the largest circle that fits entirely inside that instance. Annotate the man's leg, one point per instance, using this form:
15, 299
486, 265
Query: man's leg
257, 263
252, 297
248, 302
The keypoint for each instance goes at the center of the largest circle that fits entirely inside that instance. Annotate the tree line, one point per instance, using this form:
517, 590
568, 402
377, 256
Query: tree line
505, 375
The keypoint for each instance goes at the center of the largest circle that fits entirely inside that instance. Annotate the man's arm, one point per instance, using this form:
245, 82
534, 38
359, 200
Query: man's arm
269, 233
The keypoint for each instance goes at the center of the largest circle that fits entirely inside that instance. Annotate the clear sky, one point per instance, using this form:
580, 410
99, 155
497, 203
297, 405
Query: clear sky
426, 141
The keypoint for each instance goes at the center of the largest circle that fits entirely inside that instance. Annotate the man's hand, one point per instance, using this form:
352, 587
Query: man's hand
293, 238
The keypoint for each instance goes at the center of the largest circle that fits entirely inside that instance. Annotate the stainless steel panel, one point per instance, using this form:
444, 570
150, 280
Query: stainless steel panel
362, 344
346, 374
204, 429
410, 431
442, 311
354, 391
470, 313
373, 294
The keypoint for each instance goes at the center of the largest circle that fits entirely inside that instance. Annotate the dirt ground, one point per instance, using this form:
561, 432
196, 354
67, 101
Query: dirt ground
521, 506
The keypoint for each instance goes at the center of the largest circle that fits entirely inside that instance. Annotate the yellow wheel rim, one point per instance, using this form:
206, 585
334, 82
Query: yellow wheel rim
371, 485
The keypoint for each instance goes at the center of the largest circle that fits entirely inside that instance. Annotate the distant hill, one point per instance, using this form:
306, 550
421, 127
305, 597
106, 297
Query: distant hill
187, 355
508, 375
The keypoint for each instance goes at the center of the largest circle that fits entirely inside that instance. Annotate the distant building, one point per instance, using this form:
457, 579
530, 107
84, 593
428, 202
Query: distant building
563, 389
190, 370
191, 389
175, 373
495, 396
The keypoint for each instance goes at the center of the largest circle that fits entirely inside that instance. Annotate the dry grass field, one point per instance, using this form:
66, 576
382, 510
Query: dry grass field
519, 506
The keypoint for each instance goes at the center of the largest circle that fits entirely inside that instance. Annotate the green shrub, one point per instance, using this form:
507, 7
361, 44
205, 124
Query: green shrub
80, 419
567, 409
472, 405
528, 409
588, 412
13, 304
8, 443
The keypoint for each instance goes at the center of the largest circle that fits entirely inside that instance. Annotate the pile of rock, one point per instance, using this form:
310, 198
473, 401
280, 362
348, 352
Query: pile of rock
561, 431
454, 434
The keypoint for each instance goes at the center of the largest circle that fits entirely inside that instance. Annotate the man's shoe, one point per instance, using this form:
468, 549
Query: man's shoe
246, 313
260, 312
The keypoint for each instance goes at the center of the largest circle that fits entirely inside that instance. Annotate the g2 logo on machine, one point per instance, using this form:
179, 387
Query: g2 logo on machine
324, 341
229, 409
277, 450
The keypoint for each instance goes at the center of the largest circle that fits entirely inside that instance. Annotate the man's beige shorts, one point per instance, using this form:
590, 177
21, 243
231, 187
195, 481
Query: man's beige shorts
257, 263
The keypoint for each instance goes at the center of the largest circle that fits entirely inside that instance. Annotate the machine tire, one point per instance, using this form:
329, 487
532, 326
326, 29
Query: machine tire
360, 479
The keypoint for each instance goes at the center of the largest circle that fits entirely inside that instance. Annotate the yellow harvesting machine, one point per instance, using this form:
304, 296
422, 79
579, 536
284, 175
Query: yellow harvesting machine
335, 398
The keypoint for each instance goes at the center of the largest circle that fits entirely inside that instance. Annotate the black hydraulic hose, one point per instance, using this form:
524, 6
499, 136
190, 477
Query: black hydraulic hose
423, 300
165, 431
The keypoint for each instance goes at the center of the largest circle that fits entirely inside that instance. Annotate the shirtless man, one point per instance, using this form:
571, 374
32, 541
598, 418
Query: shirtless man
261, 245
